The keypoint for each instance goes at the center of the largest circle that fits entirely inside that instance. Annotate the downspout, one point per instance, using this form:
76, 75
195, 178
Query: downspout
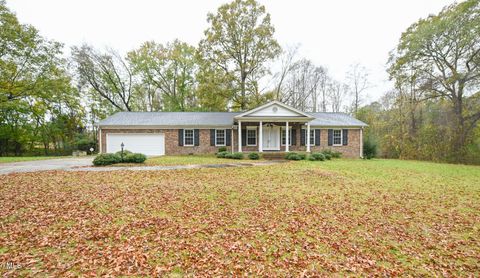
100, 140
361, 142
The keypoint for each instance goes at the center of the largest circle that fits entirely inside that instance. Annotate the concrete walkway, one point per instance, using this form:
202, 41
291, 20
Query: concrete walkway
174, 167
45, 165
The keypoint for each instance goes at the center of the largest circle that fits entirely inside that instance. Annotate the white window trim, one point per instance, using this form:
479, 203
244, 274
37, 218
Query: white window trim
193, 134
256, 135
312, 130
224, 138
333, 138
289, 135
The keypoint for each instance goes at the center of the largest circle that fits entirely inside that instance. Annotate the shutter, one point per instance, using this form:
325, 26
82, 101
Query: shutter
330, 137
212, 137
228, 137
302, 137
180, 137
244, 137
345, 137
294, 137
317, 137
196, 136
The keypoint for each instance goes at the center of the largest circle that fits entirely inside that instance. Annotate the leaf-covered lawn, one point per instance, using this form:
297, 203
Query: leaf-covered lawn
382, 217
9, 159
190, 159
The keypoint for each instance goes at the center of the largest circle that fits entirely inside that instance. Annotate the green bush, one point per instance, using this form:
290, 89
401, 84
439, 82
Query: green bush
333, 154
311, 158
135, 158
222, 154
293, 156
254, 156
317, 157
228, 155
237, 155
222, 149
106, 159
125, 153
327, 156
84, 144
369, 149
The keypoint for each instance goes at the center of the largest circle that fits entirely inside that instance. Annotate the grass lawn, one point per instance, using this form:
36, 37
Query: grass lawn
352, 217
8, 159
190, 159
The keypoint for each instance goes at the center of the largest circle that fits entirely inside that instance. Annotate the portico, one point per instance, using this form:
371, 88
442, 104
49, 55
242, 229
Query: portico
273, 125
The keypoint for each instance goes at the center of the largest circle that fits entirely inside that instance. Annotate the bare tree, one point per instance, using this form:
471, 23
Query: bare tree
357, 80
287, 60
106, 73
337, 92
302, 84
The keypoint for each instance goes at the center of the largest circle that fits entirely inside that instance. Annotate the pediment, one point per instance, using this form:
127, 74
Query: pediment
274, 109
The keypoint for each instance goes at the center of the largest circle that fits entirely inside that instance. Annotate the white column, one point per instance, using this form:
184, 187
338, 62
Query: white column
287, 138
239, 136
307, 136
260, 137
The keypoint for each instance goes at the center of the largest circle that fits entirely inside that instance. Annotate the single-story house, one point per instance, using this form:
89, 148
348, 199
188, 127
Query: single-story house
272, 127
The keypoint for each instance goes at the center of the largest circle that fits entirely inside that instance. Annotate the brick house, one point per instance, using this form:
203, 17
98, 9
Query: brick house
272, 127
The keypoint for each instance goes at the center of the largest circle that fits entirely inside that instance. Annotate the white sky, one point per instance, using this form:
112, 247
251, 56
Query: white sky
330, 33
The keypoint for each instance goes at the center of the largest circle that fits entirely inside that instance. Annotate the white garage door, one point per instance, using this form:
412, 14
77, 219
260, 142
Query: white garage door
149, 144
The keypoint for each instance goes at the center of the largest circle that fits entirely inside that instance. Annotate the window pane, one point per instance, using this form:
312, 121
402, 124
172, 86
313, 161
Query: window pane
312, 137
220, 137
188, 136
337, 137
284, 139
251, 137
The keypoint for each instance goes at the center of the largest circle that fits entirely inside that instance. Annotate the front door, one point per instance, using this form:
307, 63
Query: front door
271, 138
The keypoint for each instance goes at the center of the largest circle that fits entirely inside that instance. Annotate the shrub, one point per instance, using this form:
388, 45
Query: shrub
222, 154
135, 158
336, 154
293, 156
254, 156
222, 149
125, 153
228, 155
369, 149
333, 154
327, 156
237, 155
317, 157
106, 159
302, 156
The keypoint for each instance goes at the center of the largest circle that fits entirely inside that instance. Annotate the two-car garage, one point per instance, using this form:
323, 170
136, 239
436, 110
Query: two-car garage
146, 143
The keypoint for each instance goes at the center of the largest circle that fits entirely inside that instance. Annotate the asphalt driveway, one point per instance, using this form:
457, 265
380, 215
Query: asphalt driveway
44, 165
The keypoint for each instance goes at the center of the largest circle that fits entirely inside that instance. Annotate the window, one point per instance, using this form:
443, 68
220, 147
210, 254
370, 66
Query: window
337, 137
220, 137
312, 137
188, 137
252, 136
284, 137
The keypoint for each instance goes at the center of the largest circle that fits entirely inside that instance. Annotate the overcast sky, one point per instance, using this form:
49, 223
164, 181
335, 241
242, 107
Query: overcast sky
330, 33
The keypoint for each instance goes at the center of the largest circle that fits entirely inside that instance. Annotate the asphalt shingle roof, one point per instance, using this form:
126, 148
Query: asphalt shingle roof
211, 119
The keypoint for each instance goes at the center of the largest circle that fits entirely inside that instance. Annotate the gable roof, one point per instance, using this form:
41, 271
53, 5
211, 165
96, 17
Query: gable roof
294, 111
169, 119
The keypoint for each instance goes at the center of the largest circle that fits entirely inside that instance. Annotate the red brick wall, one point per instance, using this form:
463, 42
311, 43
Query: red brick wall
352, 150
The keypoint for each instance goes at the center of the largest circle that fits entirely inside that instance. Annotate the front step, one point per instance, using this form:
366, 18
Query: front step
274, 155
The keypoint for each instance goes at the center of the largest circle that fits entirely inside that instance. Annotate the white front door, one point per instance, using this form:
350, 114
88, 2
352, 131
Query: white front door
271, 138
